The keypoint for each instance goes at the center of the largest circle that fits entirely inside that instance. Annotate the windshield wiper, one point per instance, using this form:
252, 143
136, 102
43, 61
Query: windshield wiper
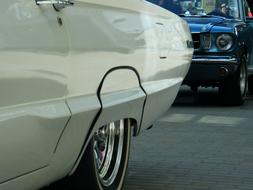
217, 16
181, 15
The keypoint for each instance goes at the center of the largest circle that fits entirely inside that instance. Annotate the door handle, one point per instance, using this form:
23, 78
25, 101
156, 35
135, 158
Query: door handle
57, 4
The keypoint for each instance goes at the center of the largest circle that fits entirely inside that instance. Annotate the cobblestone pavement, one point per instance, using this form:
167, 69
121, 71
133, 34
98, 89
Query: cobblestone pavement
197, 145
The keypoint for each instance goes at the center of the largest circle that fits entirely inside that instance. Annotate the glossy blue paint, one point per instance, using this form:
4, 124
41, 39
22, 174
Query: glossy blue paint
211, 24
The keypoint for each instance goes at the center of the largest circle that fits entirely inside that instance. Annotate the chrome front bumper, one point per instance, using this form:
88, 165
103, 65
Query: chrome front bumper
221, 60
210, 69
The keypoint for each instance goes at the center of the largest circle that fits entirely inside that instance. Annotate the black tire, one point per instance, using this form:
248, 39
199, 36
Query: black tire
101, 169
233, 90
250, 84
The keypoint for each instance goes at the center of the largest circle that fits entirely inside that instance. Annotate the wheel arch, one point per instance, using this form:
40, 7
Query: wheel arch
123, 109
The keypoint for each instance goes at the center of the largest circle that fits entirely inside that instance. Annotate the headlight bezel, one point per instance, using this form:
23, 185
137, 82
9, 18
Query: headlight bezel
208, 42
224, 42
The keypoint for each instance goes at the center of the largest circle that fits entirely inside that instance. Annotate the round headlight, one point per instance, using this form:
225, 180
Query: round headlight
224, 42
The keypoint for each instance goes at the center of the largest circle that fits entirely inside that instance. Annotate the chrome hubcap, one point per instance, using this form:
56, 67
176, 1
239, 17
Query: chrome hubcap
107, 149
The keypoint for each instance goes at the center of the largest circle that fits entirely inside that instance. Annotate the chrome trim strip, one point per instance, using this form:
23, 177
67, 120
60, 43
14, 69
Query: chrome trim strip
210, 60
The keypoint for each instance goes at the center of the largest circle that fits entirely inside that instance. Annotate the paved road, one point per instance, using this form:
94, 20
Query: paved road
198, 145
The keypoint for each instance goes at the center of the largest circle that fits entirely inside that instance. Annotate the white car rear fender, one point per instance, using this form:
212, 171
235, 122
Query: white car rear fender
119, 98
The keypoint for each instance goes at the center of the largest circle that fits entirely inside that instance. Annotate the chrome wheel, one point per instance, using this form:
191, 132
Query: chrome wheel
105, 160
107, 149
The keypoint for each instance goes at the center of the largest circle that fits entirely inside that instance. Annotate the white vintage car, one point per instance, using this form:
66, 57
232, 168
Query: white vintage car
79, 78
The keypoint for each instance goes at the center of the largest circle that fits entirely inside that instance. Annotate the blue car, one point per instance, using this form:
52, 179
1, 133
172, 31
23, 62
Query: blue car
222, 33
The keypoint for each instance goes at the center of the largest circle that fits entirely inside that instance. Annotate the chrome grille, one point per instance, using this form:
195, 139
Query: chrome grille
196, 40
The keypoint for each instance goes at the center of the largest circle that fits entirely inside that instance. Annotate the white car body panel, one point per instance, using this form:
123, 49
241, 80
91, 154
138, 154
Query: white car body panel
28, 137
33, 86
50, 76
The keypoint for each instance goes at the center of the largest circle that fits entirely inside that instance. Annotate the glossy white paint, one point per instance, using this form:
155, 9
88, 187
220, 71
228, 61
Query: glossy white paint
28, 137
154, 45
50, 72
33, 86
112, 39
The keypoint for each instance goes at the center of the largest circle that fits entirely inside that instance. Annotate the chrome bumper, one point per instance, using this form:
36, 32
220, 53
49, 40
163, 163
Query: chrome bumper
215, 60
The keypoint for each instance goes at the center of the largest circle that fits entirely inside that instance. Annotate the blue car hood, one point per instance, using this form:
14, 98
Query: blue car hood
207, 24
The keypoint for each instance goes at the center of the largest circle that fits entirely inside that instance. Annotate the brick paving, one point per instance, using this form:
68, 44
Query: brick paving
197, 145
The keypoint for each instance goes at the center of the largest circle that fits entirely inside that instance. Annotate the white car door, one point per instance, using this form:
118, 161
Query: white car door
33, 113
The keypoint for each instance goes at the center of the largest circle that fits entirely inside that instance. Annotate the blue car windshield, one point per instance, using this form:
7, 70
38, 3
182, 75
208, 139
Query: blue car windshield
223, 8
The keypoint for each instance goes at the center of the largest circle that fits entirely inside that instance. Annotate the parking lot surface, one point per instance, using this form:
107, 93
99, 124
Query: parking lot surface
198, 145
